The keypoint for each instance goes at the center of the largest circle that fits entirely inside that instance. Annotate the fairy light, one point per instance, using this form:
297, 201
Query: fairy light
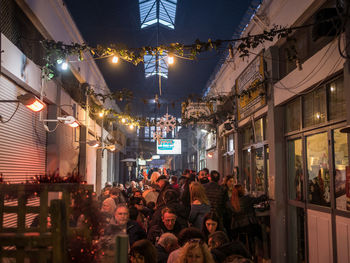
123, 120
115, 59
170, 60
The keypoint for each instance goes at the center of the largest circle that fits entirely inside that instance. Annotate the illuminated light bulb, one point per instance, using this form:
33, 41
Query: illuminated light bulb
101, 114
318, 116
332, 88
170, 60
123, 120
131, 126
74, 124
115, 59
31, 102
64, 66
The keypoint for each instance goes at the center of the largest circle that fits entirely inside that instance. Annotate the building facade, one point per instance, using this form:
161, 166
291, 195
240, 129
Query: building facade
31, 145
287, 138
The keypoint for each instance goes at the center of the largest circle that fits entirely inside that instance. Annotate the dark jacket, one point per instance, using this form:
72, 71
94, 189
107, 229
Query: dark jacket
197, 214
160, 199
228, 249
162, 254
217, 197
157, 230
133, 229
246, 216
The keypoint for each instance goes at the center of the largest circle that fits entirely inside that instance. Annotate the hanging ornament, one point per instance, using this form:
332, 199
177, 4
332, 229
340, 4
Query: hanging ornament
167, 123
157, 135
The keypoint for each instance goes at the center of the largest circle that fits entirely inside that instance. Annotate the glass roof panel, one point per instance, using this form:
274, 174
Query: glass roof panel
153, 11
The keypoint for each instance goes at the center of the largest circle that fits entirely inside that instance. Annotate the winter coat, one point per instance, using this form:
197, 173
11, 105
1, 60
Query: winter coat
197, 214
217, 197
157, 230
228, 249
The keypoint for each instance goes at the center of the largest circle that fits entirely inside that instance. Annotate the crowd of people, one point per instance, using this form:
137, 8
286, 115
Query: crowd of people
200, 218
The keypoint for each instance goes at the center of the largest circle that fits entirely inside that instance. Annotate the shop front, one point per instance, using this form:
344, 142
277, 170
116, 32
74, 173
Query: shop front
318, 171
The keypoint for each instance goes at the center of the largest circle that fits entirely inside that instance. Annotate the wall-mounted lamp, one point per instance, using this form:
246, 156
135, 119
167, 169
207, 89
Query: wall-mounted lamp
69, 120
30, 101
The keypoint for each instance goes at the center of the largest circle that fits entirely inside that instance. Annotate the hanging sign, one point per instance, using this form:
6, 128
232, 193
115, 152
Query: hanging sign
250, 86
197, 112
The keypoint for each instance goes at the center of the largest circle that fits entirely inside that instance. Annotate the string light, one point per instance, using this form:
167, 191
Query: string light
123, 120
170, 60
131, 126
101, 114
115, 59
64, 66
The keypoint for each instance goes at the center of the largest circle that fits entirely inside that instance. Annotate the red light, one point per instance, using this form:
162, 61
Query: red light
31, 102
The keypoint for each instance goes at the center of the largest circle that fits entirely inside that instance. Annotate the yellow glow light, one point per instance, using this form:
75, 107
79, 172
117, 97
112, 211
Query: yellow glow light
115, 59
101, 114
170, 60
131, 126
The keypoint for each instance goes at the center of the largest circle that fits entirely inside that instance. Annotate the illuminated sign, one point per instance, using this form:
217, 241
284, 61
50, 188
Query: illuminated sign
169, 146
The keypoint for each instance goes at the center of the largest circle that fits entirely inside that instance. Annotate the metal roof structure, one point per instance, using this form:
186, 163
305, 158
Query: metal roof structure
157, 11
156, 65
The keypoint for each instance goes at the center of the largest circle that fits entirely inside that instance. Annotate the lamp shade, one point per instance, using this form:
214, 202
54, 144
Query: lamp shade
31, 102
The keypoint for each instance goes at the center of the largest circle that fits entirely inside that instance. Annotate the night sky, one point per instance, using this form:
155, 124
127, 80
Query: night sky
118, 21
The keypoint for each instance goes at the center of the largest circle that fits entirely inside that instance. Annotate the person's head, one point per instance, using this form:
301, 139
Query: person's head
203, 176
197, 192
121, 214
143, 251
138, 194
133, 213
189, 233
114, 192
211, 223
168, 218
108, 206
214, 176
154, 177
171, 196
173, 179
186, 173
240, 190
106, 191
168, 241
161, 181
217, 239
195, 251
229, 181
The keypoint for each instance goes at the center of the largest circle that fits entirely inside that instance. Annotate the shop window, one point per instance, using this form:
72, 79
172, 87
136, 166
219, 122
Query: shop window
336, 97
259, 130
341, 161
314, 108
247, 135
295, 170
293, 116
259, 170
318, 169
296, 236
246, 170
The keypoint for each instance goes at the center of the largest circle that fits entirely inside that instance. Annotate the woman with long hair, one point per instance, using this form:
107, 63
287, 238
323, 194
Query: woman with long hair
211, 223
199, 205
195, 251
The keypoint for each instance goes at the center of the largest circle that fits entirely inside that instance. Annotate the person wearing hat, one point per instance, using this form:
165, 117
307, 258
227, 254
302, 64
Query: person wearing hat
163, 184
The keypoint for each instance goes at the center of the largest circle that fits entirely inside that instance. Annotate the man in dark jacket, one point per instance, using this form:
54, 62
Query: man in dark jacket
168, 225
121, 224
164, 185
216, 194
167, 243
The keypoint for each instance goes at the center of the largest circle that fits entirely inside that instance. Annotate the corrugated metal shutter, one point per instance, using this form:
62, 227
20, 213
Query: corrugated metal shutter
22, 144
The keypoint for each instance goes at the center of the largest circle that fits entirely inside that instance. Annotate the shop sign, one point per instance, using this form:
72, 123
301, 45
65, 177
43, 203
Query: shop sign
251, 81
197, 112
